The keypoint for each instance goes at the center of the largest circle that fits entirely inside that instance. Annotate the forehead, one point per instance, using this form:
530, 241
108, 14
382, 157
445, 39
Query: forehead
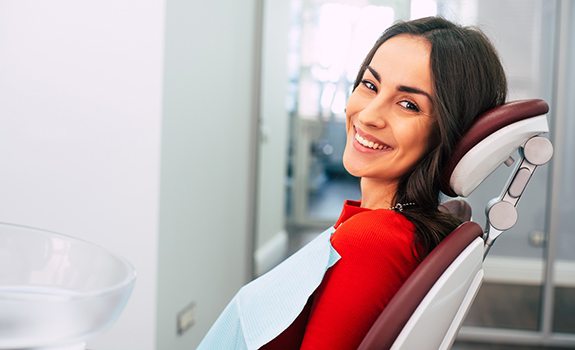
404, 60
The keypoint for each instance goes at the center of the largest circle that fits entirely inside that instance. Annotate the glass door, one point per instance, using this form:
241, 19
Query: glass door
511, 295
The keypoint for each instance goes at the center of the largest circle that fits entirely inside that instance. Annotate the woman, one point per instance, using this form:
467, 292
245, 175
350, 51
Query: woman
416, 93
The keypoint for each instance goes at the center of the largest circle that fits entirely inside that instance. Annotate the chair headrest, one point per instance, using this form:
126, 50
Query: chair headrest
492, 139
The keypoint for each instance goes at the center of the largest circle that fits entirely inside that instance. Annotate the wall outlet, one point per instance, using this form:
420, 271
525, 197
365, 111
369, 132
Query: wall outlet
186, 318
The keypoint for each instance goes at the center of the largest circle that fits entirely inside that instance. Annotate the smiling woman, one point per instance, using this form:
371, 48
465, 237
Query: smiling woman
417, 91
450, 74
389, 120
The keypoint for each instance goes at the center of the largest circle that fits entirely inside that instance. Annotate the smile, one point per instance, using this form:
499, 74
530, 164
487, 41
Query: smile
370, 144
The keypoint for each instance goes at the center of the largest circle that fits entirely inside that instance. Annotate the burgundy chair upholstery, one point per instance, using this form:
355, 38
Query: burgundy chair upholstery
485, 125
391, 321
394, 317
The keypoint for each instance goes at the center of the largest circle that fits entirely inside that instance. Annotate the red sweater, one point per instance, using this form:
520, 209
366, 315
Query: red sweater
377, 256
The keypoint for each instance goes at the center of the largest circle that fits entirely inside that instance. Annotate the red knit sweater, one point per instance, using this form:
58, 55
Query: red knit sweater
377, 256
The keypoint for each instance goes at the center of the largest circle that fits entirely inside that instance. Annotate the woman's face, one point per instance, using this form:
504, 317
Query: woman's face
389, 114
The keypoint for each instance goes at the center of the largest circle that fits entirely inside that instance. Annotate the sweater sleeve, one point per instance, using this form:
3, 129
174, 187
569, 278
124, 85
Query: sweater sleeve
377, 256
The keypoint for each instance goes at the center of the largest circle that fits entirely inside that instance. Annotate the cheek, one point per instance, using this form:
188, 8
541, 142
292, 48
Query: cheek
350, 163
352, 108
417, 136
348, 118
347, 122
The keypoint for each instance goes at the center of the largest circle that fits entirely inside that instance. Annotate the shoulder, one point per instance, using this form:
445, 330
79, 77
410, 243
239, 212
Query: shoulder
383, 221
376, 230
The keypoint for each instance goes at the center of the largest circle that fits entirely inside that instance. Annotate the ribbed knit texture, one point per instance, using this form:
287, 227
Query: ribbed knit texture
377, 256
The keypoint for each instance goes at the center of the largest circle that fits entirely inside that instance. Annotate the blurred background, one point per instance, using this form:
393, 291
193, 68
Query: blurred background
202, 140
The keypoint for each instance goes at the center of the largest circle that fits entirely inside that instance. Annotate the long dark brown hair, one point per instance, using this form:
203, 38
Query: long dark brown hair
468, 79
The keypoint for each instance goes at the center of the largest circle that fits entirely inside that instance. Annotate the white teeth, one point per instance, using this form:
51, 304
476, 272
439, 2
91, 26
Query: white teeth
369, 144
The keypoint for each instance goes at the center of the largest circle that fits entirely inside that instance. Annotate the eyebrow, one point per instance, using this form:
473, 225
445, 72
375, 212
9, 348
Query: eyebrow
403, 88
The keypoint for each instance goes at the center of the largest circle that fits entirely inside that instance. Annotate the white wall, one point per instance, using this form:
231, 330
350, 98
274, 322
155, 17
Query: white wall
272, 239
80, 117
82, 105
207, 162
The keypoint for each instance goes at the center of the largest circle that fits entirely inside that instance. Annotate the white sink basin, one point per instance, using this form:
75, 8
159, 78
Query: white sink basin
56, 291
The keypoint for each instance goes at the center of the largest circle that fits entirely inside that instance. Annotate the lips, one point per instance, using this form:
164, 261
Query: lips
370, 142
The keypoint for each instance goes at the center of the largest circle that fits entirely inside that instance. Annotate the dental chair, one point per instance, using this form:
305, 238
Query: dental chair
428, 310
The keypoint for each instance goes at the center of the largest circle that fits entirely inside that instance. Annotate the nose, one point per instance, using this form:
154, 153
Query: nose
374, 113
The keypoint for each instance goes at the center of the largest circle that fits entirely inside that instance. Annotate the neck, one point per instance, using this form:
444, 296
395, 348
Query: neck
377, 194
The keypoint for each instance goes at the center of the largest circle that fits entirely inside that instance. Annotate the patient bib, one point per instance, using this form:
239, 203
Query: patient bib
265, 307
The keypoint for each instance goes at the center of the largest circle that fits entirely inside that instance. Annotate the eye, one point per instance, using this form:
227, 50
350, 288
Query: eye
368, 84
409, 106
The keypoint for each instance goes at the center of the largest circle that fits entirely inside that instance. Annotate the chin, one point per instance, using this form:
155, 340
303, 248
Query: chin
349, 166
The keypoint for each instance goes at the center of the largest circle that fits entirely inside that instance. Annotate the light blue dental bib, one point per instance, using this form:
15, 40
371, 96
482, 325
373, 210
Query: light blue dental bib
265, 307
